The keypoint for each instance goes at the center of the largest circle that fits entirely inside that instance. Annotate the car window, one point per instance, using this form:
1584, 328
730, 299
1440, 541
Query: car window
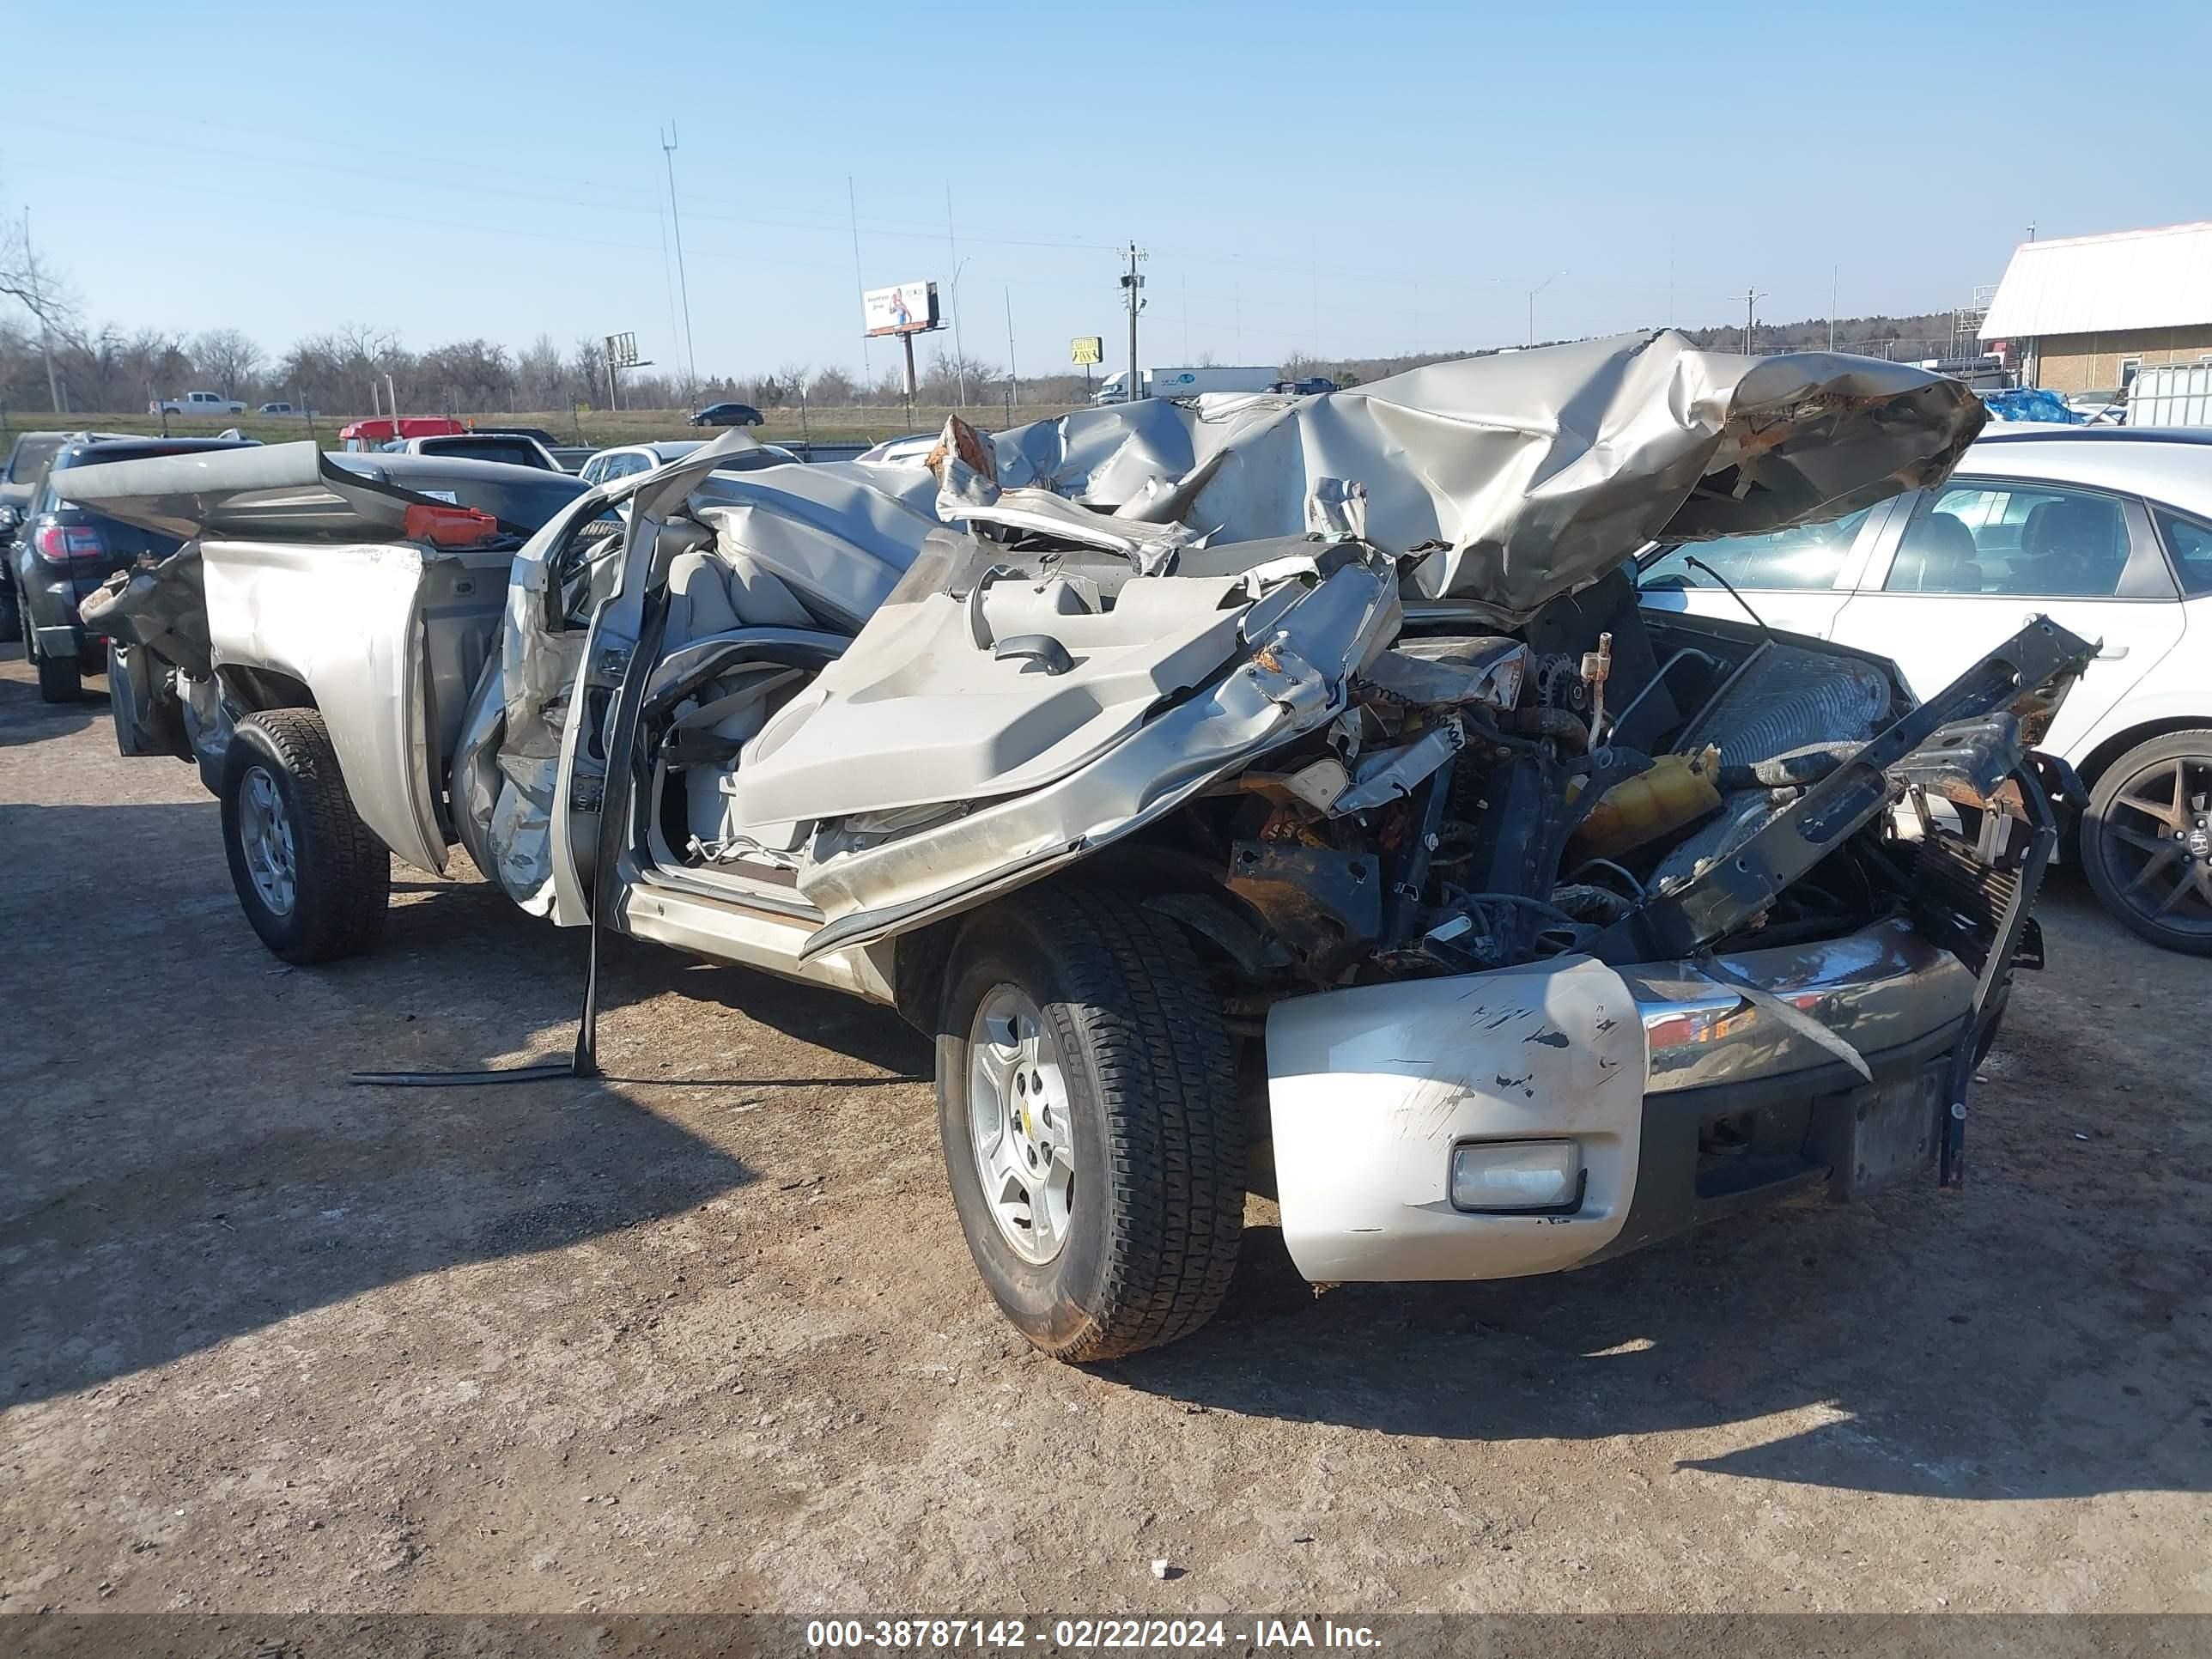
2019, 541
32, 458
513, 451
2190, 545
1809, 556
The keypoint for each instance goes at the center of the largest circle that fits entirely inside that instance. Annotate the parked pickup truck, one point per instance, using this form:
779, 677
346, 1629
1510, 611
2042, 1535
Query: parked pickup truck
197, 403
1230, 823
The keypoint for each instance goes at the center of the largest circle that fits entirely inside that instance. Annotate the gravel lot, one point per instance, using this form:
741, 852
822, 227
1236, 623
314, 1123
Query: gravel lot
706, 1336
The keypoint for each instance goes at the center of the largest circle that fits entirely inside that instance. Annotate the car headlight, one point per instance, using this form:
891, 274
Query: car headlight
1517, 1174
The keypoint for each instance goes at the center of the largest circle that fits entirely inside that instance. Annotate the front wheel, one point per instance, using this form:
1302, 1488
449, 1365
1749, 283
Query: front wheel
1088, 1110
312, 878
2147, 841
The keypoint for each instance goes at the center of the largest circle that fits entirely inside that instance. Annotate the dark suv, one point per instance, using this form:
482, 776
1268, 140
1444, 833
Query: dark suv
26, 470
61, 552
727, 414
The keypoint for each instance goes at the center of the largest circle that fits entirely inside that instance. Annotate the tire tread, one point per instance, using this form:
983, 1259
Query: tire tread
1156, 1042
344, 873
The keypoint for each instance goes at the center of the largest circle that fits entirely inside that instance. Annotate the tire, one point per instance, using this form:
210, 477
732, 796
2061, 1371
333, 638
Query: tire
1131, 1071
285, 811
11, 613
2145, 840
61, 679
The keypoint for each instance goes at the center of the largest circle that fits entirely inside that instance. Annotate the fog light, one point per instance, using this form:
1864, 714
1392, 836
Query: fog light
1517, 1174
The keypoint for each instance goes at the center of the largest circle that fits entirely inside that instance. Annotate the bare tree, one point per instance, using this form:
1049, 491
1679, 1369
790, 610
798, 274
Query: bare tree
470, 375
589, 368
540, 376
948, 372
25, 279
227, 357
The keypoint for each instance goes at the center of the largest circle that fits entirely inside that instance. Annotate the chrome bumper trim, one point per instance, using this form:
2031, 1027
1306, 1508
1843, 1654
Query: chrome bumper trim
1878, 988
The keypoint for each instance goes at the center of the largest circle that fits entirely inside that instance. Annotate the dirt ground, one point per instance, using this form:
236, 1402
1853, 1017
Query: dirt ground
706, 1336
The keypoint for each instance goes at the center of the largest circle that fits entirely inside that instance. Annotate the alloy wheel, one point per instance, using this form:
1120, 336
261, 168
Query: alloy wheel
2158, 844
1018, 1125
265, 835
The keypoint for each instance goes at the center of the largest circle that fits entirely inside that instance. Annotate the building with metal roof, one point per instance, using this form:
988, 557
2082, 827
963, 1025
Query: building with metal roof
2082, 314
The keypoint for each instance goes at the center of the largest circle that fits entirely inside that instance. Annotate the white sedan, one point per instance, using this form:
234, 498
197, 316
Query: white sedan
2108, 531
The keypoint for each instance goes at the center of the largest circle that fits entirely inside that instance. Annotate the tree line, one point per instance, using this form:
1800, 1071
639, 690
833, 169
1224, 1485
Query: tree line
49, 357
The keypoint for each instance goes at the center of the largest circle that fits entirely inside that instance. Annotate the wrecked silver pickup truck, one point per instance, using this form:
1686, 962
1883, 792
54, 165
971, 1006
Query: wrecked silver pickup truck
1259, 794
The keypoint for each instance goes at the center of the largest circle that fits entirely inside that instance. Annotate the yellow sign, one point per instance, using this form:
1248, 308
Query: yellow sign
1086, 348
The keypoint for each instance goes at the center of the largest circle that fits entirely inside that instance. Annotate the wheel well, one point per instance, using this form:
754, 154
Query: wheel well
256, 689
918, 962
2119, 742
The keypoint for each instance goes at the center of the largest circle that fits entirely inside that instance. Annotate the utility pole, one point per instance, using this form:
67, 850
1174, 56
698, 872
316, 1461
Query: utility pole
1533, 292
1751, 298
683, 283
1013, 379
46, 328
860, 283
959, 345
1831, 306
1130, 283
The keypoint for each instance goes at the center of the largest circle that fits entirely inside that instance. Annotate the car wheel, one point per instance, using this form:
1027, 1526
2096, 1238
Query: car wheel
312, 878
1088, 1108
2147, 841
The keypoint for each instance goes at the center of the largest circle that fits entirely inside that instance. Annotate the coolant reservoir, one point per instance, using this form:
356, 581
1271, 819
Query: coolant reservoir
1675, 791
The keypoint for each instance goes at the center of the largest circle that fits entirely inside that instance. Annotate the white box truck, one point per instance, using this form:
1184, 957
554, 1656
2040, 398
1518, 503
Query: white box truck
2171, 394
1189, 382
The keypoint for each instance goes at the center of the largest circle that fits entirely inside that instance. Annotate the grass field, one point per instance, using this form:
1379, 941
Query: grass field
597, 426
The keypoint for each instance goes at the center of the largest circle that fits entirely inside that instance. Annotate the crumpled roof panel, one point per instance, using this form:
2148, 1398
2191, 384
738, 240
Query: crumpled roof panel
1530, 473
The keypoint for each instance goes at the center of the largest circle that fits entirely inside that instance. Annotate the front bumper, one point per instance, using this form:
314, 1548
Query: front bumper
1688, 1099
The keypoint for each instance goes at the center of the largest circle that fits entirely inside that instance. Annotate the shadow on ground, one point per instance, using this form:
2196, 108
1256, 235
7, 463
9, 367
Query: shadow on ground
2043, 1334
25, 717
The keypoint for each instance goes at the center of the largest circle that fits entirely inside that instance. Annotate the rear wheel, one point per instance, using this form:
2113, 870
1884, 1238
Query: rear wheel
2147, 841
1088, 1110
312, 878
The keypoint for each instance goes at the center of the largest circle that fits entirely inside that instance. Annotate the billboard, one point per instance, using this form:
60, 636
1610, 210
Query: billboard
1086, 348
908, 308
621, 350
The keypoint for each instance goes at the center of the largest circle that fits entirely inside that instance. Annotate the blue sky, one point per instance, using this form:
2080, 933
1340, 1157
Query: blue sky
1347, 179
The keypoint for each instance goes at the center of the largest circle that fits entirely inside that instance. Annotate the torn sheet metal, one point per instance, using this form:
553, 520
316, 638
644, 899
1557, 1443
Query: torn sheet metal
1529, 473
1386, 775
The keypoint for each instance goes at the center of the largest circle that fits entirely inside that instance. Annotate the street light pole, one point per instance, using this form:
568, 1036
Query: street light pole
959, 347
683, 282
1533, 292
